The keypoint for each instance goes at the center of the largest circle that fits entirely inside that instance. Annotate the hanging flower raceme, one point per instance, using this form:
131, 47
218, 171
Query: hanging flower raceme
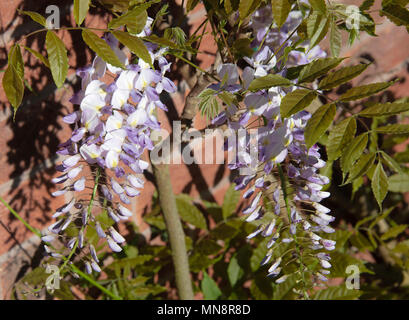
111, 132
285, 188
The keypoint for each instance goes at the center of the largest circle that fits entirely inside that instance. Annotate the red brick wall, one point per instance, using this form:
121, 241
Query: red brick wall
28, 145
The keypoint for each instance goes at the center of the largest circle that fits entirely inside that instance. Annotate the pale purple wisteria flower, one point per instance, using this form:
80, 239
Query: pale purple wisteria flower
111, 131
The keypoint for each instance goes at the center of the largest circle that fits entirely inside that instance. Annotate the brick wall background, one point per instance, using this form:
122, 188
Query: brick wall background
28, 145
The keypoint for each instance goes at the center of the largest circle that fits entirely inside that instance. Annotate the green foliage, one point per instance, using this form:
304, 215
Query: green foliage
208, 104
209, 288
379, 184
336, 293
340, 136
341, 76
57, 57
296, 101
81, 10
364, 91
231, 198
35, 16
281, 9
268, 81
319, 123
13, 78
189, 213
317, 68
134, 44
353, 152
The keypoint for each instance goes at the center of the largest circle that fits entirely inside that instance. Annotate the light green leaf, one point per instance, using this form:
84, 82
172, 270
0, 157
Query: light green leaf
317, 28
134, 19
339, 137
367, 90
318, 5
81, 8
209, 288
16, 59
361, 167
189, 213
134, 44
258, 255
231, 199
384, 109
341, 76
268, 81
101, 48
394, 129
35, 16
353, 151
394, 231
379, 184
336, 293
398, 183
234, 271
208, 104
38, 55
57, 57
281, 9
335, 42
296, 101
317, 68
319, 123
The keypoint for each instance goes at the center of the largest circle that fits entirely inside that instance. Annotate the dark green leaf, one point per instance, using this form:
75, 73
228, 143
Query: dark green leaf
336, 293
394, 129
397, 14
268, 81
134, 44
361, 167
319, 123
317, 27
296, 101
318, 5
101, 48
360, 92
189, 213
317, 68
335, 41
339, 137
353, 151
384, 109
341, 76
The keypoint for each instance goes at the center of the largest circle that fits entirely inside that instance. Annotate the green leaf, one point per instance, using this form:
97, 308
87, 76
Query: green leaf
397, 14
394, 129
134, 20
244, 8
207, 247
391, 163
318, 5
16, 59
189, 213
384, 109
208, 104
379, 184
398, 183
13, 86
191, 4
341, 76
336, 293
317, 27
335, 42
339, 137
296, 101
281, 9
209, 288
57, 57
81, 8
268, 81
101, 48
163, 42
258, 254
366, 5
361, 167
319, 123
353, 152
134, 44
317, 68
35, 16
231, 199
394, 231
38, 55
234, 271
360, 92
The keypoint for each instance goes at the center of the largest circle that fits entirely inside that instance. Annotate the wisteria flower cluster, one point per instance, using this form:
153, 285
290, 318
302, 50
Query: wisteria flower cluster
112, 130
297, 216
